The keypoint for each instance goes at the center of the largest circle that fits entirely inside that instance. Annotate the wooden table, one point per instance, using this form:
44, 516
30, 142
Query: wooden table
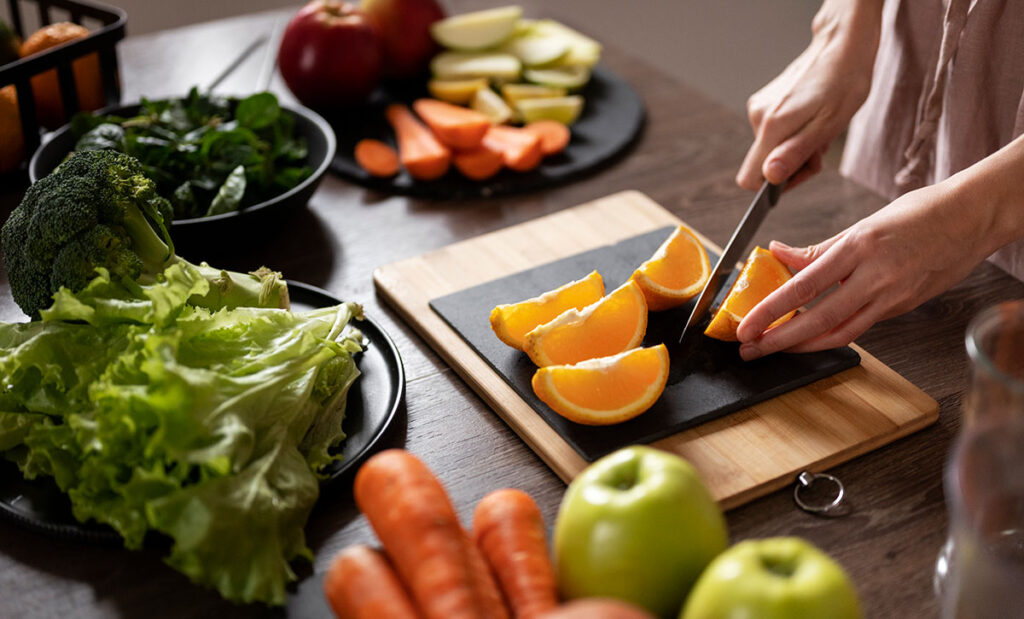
895, 522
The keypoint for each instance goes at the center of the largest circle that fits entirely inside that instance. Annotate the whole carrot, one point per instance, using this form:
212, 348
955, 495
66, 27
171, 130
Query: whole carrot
361, 584
415, 521
509, 530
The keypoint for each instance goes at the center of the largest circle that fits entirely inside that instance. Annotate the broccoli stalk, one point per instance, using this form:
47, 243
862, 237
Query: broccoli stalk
98, 209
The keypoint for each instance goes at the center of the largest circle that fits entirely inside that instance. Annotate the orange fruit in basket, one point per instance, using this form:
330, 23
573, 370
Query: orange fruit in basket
606, 390
609, 326
675, 273
46, 88
761, 275
511, 322
12, 143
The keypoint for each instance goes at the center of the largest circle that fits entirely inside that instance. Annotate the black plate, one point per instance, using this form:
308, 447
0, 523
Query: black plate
320, 143
373, 402
703, 384
613, 116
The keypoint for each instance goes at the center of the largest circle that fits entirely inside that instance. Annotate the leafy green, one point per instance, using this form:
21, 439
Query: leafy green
193, 148
209, 427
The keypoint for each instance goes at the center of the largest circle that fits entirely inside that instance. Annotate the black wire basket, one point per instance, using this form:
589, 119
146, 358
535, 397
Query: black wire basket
109, 25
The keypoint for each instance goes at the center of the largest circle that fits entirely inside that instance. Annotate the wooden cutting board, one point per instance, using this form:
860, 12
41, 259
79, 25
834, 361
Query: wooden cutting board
741, 456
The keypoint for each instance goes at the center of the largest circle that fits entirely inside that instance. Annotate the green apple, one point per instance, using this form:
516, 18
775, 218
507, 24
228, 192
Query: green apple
775, 578
638, 525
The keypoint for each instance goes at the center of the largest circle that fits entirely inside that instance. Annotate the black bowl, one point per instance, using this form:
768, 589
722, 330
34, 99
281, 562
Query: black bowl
320, 142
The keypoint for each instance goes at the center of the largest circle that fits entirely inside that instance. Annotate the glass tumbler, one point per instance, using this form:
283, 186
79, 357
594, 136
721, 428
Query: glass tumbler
980, 572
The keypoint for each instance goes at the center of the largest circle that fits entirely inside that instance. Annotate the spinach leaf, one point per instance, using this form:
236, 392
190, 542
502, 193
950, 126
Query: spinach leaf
107, 136
229, 196
258, 111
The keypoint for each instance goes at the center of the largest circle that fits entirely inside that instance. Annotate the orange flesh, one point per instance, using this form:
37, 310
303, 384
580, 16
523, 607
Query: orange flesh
512, 322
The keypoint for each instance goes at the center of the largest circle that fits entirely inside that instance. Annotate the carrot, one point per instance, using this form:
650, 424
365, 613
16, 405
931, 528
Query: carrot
361, 584
376, 157
414, 519
479, 164
554, 136
458, 127
509, 530
422, 155
521, 149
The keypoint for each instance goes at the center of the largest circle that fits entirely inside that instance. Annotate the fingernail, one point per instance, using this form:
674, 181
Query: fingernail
777, 171
780, 245
749, 352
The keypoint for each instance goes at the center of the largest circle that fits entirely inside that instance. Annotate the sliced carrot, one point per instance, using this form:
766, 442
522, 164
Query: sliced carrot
415, 521
554, 136
509, 530
480, 163
422, 155
361, 584
376, 157
521, 149
456, 126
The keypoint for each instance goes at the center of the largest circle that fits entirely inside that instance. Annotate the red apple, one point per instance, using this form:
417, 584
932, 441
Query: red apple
330, 55
405, 31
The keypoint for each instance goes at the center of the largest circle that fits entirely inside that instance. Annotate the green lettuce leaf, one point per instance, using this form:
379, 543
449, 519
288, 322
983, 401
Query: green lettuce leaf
208, 427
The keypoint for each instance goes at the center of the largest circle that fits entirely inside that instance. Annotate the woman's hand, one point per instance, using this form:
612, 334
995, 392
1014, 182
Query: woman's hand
885, 265
798, 114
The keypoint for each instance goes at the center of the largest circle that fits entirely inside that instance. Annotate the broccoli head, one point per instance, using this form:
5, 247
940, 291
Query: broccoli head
98, 209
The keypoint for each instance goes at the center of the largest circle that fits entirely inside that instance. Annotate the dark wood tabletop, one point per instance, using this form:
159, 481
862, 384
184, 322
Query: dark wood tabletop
895, 520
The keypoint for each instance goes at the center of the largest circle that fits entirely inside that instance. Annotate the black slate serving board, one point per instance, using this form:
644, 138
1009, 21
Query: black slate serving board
709, 382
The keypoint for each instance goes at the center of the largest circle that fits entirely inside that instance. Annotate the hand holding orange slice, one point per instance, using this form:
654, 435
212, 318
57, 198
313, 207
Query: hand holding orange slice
676, 272
606, 390
762, 274
511, 322
609, 326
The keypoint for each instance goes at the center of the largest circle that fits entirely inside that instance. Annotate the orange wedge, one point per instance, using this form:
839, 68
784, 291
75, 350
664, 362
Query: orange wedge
511, 322
761, 275
607, 390
675, 273
611, 325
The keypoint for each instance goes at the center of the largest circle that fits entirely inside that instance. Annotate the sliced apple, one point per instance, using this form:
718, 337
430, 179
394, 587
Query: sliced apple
561, 109
537, 51
456, 91
583, 51
560, 77
497, 66
488, 103
478, 29
514, 93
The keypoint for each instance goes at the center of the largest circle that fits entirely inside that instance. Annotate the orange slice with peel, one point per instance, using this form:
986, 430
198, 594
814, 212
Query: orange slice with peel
606, 390
511, 322
676, 272
612, 325
762, 274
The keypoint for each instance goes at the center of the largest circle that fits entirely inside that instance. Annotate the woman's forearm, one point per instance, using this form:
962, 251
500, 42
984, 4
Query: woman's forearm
990, 196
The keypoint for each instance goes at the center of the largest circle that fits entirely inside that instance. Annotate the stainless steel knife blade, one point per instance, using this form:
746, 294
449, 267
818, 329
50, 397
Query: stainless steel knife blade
767, 196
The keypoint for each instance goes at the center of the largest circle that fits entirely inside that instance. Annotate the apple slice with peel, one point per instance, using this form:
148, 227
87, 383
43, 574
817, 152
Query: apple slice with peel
537, 51
561, 77
456, 91
561, 109
476, 30
497, 66
488, 103
513, 93
583, 51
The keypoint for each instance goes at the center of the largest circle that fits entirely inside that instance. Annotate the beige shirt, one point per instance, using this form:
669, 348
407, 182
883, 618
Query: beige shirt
947, 91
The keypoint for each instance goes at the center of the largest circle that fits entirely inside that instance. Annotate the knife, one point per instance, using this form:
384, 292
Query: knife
765, 199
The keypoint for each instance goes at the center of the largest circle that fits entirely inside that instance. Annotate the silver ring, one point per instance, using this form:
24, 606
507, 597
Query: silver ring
805, 479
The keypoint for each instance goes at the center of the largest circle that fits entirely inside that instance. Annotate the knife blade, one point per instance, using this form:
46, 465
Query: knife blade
767, 196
